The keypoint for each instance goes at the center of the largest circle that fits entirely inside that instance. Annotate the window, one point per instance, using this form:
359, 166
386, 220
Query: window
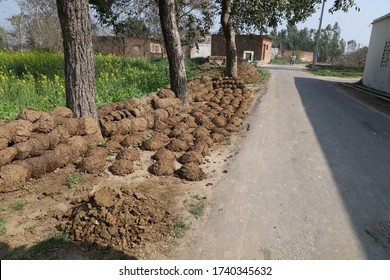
248, 55
386, 55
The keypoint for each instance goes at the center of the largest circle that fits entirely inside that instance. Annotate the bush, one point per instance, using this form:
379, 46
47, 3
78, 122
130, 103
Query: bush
36, 80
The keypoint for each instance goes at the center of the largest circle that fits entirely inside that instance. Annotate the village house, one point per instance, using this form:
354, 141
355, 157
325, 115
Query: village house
377, 68
254, 48
131, 47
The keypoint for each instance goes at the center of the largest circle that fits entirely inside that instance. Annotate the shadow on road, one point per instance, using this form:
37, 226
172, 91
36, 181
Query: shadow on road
356, 143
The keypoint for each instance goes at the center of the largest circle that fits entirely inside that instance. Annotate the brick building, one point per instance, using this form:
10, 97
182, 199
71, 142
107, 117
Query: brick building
302, 56
250, 47
131, 47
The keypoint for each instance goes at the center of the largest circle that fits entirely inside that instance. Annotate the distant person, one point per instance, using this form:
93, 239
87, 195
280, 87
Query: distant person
292, 59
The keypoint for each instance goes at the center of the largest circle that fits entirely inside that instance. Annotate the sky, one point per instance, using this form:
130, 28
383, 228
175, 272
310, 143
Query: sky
354, 25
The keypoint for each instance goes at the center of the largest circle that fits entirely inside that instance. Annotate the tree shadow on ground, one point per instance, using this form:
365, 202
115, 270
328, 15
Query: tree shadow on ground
60, 248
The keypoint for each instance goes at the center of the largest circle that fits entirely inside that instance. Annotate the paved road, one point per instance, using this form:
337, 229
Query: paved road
311, 174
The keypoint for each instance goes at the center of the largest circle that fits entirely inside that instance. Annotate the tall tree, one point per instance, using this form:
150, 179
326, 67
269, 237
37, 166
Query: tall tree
352, 46
3, 39
228, 30
169, 12
194, 17
356, 58
177, 70
260, 14
43, 28
132, 27
332, 47
18, 30
79, 59
37, 25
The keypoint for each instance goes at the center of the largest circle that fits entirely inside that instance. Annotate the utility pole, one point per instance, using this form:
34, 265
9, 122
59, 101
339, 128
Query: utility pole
318, 38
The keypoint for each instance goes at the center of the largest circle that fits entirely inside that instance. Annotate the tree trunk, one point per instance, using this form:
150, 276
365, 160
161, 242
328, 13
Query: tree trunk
177, 71
230, 38
79, 60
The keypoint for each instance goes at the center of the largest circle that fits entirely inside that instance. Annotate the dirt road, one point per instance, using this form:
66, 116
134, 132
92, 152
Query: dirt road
308, 181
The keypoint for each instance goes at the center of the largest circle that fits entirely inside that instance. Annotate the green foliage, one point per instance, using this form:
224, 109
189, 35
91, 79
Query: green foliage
19, 205
3, 229
3, 38
178, 229
55, 241
36, 80
332, 47
197, 209
73, 179
336, 71
253, 15
144, 139
56, 238
280, 61
355, 57
264, 74
293, 39
194, 18
131, 27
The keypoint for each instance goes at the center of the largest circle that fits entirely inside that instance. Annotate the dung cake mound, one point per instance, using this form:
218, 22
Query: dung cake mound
116, 218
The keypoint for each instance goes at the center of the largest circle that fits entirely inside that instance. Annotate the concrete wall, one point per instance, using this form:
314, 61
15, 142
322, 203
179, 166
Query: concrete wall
204, 50
377, 68
132, 47
259, 45
275, 53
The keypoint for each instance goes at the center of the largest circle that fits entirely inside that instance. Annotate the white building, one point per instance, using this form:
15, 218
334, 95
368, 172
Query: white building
377, 68
203, 48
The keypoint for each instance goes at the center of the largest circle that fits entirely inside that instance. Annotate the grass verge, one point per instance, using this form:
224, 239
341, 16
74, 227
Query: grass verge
197, 209
3, 229
36, 80
19, 205
335, 71
178, 229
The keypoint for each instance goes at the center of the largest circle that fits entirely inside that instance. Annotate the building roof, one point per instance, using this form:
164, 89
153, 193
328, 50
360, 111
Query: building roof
381, 18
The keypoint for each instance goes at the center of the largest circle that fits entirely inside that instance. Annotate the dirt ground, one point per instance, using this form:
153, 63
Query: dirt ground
84, 211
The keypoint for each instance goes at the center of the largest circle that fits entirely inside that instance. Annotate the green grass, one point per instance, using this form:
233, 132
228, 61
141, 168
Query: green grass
103, 145
336, 71
144, 139
178, 229
56, 240
19, 205
197, 209
264, 74
73, 179
36, 80
3, 230
279, 61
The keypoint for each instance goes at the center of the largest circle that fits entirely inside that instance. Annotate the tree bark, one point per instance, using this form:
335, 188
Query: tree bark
79, 59
230, 38
177, 71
